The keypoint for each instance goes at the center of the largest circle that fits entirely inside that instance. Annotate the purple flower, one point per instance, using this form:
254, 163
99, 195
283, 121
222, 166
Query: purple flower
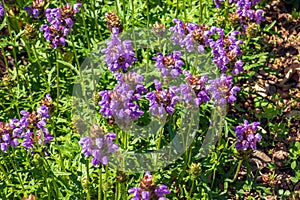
246, 137
121, 103
118, 55
148, 189
99, 147
2, 13
169, 65
198, 83
61, 21
76, 7
222, 90
163, 101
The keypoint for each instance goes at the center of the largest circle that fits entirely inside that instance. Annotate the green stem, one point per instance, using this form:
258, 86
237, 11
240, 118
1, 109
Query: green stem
106, 180
15, 168
184, 7
57, 82
88, 197
4, 57
87, 37
75, 52
192, 187
124, 11
100, 183
177, 9
201, 11
161, 132
96, 19
237, 170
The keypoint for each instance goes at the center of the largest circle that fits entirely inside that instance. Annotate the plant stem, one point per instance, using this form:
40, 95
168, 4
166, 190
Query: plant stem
106, 179
237, 170
192, 187
87, 37
100, 183
161, 132
124, 11
96, 19
57, 82
88, 197
184, 7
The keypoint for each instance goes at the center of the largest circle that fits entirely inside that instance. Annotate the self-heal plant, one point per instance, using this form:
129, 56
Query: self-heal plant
169, 65
222, 90
163, 101
121, 103
36, 10
119, 55
98, 145
148, 190
31, 129
247, 138
2, 13
60, 22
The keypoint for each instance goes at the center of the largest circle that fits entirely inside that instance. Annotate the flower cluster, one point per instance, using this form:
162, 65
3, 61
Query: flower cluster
148, 189
118, 55
169, 65
163, 100
188, 35
61, 22
198, 85
244, 12
120, 104
36, 10
7, 137
225, 50
31, 128
247, 139
1, 11
99, 145
222, 90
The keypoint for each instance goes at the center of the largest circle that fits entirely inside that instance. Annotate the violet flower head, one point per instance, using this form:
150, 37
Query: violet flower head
2, 13
198, 84
118, 55
148, 190
100, 146
222, 91
60, 23
246, 137
169, 65
29, 131
121, 103
163, 101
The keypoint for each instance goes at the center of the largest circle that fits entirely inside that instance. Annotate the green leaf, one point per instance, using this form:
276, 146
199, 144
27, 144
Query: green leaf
62, 173
267, 28
293, 165
68, 65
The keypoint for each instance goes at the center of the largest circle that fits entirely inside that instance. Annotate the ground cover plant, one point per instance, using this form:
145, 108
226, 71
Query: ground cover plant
149, 99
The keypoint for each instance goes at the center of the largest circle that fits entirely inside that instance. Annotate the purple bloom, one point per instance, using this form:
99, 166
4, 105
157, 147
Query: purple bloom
169, 65
76, 7
99, 147
120, 104
197, 83
61, 21
118, 55
163, 101
222, 90
1, 11
247, 139
148, 190
26, 127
